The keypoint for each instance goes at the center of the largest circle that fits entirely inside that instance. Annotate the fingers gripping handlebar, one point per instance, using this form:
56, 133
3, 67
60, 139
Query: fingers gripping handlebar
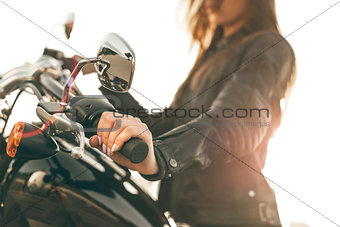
87, 110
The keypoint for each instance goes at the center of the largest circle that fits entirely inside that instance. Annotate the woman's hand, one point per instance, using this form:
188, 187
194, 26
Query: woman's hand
114, 129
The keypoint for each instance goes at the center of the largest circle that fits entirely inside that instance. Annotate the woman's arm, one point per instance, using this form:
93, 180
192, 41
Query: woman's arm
255, 86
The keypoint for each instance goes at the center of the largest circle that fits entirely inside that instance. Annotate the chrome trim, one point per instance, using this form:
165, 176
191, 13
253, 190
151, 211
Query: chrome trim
75, 73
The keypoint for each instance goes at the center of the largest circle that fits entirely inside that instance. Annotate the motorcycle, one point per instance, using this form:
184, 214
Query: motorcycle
49, 174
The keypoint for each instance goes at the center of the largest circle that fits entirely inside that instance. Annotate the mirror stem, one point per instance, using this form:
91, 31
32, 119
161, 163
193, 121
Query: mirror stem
73, 76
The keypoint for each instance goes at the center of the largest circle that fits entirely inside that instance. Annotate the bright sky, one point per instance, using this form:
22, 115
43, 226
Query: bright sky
303, 157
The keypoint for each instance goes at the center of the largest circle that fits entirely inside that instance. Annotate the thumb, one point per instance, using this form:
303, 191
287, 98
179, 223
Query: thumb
94, 142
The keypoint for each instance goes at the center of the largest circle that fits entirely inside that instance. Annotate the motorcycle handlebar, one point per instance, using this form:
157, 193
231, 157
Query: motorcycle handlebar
135, 149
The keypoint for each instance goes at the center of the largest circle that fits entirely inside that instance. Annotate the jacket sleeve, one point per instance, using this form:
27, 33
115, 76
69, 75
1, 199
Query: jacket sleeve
240, 116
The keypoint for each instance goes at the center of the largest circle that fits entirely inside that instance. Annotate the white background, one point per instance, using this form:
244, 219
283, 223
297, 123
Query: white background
304, 155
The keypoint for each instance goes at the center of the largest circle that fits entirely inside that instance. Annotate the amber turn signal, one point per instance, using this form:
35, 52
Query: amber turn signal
15, 138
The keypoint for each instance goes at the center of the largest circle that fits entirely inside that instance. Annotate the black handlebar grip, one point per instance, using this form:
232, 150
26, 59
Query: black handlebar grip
135, 150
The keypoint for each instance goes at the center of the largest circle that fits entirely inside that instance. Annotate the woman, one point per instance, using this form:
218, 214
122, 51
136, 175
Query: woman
209, 148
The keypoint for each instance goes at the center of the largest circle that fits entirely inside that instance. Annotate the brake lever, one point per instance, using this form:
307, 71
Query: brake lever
60, 122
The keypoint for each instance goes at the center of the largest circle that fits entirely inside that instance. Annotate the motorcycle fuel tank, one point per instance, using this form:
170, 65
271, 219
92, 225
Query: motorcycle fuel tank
62, 191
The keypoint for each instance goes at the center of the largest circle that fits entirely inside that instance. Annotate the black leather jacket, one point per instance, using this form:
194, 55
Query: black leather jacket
210, 166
